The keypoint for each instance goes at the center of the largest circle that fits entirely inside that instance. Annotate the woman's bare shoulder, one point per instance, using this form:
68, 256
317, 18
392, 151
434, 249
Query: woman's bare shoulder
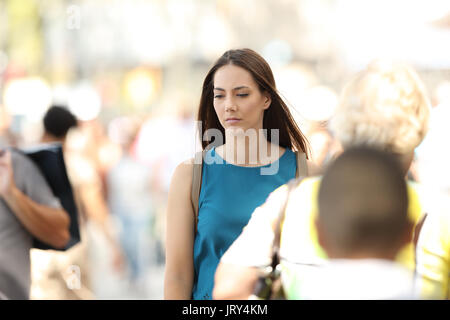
181, 184
184, 169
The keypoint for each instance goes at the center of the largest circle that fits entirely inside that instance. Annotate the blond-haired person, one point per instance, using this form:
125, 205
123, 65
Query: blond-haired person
384, 106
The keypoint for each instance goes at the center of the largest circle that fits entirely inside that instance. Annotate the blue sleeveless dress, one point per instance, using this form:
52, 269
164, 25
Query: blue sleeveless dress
229, 194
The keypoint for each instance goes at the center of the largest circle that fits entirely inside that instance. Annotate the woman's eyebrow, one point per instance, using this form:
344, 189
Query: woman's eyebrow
237, 88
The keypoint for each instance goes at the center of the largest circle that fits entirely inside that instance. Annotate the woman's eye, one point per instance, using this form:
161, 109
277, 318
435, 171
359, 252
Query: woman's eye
217, 96
242, 95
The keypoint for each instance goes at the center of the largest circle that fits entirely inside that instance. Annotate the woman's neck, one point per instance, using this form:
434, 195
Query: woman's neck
249, 150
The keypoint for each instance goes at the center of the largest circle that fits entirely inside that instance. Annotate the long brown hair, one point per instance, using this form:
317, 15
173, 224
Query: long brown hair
277, 116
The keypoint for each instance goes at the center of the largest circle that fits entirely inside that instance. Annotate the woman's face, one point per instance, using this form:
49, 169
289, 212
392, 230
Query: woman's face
238, 102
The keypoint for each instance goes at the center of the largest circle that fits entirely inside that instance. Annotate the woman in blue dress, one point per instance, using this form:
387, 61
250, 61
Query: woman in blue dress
252, 153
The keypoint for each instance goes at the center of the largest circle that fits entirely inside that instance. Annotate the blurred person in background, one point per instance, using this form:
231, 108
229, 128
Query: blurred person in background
130, 202
58, 120
323, 146
362, 224
50, 274
385, 106
238, 94
143, 150
6, 136
433, 249
28, 209
433, 155
164, 162
105, 259
433, 255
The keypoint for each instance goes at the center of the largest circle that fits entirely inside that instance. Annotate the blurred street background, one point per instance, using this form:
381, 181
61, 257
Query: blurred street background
131, 71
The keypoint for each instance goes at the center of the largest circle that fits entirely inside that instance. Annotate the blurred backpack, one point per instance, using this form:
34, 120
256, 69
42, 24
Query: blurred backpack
49, 159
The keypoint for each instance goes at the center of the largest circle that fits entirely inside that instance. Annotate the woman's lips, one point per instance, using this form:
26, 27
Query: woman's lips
232, 121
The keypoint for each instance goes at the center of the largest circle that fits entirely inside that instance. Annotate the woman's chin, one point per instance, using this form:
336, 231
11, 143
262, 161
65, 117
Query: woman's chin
235, 130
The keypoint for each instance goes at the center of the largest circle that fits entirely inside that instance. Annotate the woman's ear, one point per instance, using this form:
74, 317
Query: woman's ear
267, 100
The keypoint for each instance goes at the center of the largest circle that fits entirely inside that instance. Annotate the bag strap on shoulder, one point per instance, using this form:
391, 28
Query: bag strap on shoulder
197, 184
302, 166
277, 233
301, 172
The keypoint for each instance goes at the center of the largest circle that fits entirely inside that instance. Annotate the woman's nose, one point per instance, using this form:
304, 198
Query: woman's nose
230, 105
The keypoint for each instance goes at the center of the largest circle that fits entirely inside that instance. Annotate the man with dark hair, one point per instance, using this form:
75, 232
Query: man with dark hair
363, 205
362, 224
93, 211
57, 122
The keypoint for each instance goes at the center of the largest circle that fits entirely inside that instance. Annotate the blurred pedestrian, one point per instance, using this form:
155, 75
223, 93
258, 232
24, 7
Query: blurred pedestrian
104, 262
28, 209
433, 249
238, 97
49, 268
433, 254
362, 224
58, 120
130, 202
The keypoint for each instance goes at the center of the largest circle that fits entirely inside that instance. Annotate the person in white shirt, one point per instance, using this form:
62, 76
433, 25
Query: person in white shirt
362, 224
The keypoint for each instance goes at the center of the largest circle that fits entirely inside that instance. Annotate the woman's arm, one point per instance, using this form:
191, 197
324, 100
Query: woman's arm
179, 273
234, 282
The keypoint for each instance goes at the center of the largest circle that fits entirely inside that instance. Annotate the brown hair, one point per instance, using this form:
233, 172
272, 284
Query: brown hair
277, 116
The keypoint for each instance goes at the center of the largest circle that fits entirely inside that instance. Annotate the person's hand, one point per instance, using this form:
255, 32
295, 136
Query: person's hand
6, 173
